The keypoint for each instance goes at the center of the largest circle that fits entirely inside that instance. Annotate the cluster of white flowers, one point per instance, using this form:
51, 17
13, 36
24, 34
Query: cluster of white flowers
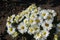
34, 20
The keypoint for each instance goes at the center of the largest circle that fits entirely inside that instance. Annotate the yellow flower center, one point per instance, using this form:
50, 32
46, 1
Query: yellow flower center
38, 35
35, 10
25, 21
35, 28
8, 23
31, 21
17, 17
26, 12
44, 33
48, 17
33, 16
37, 20
10, 17
43, 14
10, 29
46, 24
31, 30
30, 8
22, 27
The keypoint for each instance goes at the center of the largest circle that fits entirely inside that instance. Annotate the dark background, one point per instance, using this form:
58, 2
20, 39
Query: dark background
9, 7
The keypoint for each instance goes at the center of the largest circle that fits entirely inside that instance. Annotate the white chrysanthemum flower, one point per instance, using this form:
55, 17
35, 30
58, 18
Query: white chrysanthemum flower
11, 30
36, 28
31, 30
32, 7
26, 21
8, 24
21, 13
38, 36
44, 13
27, 14
32, 21
45, 34
52, 12
11, 18
58, 27
35, 11
18, 18
49, 19
41, 35
38, 20
15, 34
47, 25
33, 16
22, 28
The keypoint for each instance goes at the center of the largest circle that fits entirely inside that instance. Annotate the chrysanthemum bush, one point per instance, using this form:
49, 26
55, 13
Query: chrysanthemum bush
33, 20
